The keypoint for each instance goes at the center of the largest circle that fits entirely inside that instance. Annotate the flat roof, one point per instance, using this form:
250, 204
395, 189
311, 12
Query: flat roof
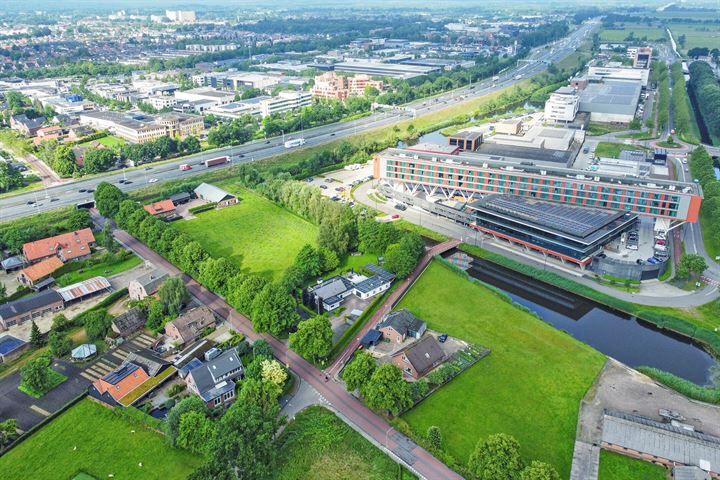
611, 96
9, 344
527, 154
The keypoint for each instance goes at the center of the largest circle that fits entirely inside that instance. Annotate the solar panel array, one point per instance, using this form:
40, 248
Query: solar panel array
576, 221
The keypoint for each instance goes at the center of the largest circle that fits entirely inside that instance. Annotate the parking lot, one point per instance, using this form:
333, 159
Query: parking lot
338, 184
637, 244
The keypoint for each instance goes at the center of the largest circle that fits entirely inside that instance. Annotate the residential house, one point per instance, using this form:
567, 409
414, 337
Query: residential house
121, 381
214, 380
217, 195
146, 285
129, 322
331, 292
151, 363
36, 272
367, 287
26, 126
397, 326
189, 326
27, 308
163, 208
67, 246
418, 358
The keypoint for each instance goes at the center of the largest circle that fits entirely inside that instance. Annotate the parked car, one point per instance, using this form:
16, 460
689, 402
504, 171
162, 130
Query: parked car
442, 338
631, 246
324, 187
396, 216
152, 180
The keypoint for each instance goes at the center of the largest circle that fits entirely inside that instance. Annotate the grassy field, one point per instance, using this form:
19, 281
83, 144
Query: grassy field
109, 141
256, 234
99, 270
596, 129
639, 31
89, 438
614, 466
529, 386
612, 150
317, 445
696, 35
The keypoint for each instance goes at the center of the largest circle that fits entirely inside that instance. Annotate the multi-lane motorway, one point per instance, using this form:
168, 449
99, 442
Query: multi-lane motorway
69, 193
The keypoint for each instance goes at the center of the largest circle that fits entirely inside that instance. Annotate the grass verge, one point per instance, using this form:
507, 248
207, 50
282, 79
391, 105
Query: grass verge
614, 466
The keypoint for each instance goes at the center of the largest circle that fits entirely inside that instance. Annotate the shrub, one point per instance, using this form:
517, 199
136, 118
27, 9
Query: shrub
203, 208
685, 387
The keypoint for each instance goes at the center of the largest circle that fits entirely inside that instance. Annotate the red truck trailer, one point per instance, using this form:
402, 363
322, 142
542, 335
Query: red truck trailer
216, 161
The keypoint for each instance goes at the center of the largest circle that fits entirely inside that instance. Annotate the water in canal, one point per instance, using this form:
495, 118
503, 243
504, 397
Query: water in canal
633, 342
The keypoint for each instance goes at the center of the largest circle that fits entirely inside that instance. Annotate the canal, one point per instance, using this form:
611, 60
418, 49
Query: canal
616, 334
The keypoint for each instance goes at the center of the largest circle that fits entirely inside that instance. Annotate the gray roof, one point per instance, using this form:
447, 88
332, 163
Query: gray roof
402, 321
212, 193
662, 440
209, 377
30, 303
611, 96
689, 473
12, 262
29, 123
380, 278
332, 287
192, 322
152, 281
130, 321
84, 351
423, 355
146, 359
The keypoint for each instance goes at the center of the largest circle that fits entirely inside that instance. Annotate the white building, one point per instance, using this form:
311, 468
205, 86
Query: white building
186, 16
162, 101
562, 106
620, 73
206, 95
284, 102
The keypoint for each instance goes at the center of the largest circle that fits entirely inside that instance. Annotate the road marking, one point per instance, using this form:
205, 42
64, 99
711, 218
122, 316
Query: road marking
39, 410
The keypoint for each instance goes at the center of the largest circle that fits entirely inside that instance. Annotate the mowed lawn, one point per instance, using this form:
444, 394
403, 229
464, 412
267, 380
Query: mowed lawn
640, 31
530, 386
317, 445
614, 466
89, 438
258, 235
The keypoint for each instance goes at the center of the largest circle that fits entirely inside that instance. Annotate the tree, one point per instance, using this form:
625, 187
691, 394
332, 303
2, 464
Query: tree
262, 347
155, 316
34, 374
254, 369
273, 310
539, 471
8, 431
329, 260
313, 338
36, 338
3, 293
64, 161
308, 262
108, 198
60, 343
97, 324
173, 294
108, 241
387, 390
496, 458
215, 273
98, 160
60, 323
242, 290
434, 437
274, 373
174, 416
10, 178
359, 371
78, 219
195, 432
690, 263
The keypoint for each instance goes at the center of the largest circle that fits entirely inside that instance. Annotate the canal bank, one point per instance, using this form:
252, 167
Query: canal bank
620, 335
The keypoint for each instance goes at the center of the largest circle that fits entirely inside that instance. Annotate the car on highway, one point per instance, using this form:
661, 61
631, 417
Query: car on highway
54, 199
332, 134
82, 190
30, 202
152, 180
148, 168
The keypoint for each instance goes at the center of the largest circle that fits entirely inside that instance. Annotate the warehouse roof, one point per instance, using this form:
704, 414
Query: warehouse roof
79, 290
29, 303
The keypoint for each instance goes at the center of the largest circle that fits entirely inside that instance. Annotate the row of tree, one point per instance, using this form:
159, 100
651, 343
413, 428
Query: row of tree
706, 91
660, 77
682, 114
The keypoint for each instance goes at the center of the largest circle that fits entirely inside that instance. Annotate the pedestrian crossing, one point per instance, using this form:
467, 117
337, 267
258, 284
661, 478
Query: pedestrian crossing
117, 356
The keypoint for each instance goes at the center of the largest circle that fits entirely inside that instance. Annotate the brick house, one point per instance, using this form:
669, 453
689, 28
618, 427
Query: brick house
146, 285
213, 381
121, 381
418, 358
163, 208
36, 272
68, 246
189, 326
397, 326
27, 308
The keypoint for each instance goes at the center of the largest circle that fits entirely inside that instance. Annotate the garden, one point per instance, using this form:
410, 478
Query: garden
530, 385
92, 439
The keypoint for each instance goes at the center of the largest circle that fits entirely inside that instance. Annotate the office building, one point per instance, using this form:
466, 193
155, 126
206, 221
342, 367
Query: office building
285, 101
562, 106
181, 16
333, 86
160, 102
471, 175
385, 69
209, 95
141, 128
612, 101
597, 73
642, 57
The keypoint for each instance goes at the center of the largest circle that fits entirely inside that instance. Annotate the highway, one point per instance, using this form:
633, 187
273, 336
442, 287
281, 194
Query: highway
69, 193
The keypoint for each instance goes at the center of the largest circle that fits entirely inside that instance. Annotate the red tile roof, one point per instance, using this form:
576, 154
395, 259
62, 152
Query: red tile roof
68, 245
42, 269
159, 208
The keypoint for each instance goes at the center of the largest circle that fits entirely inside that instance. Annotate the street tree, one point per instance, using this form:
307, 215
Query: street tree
691, 263
273, 310
387, 390
108, 198
358, 372
313, 338
496, 458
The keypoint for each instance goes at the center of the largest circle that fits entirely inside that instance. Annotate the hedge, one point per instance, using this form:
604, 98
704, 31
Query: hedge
203, 208
680, 385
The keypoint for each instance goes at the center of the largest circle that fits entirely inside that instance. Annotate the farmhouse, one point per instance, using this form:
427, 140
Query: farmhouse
146, 285
163, 208
68, 246
217, 195
399, 325
27, 308
33, 274
418, 358
214, 380
189, 326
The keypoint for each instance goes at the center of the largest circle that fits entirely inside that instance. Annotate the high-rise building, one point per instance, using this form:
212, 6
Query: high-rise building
643, 57
562, 106
182, 16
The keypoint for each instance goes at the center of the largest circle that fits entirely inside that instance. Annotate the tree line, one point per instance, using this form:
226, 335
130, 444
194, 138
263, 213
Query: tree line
705, 88
682, 115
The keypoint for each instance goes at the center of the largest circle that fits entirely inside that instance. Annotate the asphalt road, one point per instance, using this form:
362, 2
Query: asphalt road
419, 460
69, 194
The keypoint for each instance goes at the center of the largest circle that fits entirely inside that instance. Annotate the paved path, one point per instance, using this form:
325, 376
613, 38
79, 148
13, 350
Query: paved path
371, 425
389, 303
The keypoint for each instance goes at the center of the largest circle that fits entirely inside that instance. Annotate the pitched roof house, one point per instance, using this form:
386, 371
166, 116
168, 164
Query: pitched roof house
151, 363
67, 246
331, 292
418, 358
146, 285
129, 322
121, 381
399, 325
38, 271
211, 193
26, 308
26, 126
189, 326
160, 209
214, 380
